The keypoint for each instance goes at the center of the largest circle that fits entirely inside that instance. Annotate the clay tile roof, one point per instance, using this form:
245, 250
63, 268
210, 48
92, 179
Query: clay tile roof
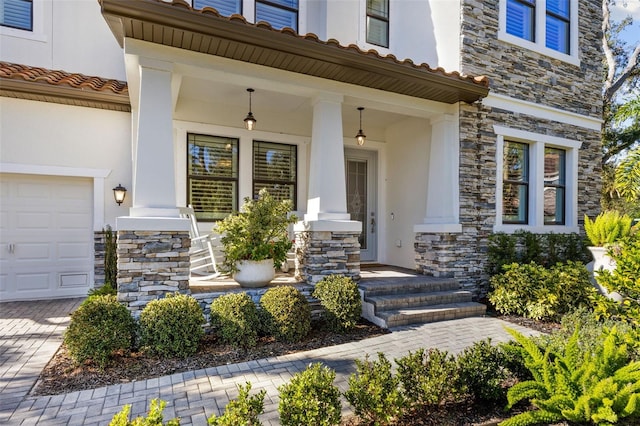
37, 83
178, 25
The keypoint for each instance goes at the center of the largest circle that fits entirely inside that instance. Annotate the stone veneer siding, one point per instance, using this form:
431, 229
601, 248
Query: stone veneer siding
523, 74
324, 253
150, 265
99, 255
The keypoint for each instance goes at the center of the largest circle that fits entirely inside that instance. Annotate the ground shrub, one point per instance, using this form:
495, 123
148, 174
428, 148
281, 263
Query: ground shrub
105, 290
374, 391
244, 410
481, 372
340, 298
542, 249
153, 418
310, 398
427, 377
172, 326
235, 319
533, 291
287, 313
99, 327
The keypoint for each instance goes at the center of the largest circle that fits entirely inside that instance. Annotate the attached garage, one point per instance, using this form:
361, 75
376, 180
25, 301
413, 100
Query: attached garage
46, 236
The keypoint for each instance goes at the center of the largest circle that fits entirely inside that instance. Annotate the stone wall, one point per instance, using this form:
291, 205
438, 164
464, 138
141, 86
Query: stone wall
320, 254
99, 255
150, 265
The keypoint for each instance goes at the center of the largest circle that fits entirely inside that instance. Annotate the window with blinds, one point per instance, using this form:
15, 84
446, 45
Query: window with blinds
224, 7
558, 25
515, 183
275, 167
17, 14
378, 22
212, 176
521, 18
278, 13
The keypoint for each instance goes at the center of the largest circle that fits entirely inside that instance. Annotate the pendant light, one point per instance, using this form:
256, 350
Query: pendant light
250, 120
360, 137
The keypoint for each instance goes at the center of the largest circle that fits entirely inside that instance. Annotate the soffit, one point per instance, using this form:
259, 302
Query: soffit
178, 25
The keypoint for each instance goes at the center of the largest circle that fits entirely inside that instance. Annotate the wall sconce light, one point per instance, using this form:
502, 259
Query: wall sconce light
119, 192
360, 137
250, 120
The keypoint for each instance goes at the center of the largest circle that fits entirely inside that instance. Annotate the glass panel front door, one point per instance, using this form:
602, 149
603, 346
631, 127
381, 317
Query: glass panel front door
361, 195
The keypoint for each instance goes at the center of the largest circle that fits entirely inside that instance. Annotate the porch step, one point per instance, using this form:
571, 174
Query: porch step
414, 299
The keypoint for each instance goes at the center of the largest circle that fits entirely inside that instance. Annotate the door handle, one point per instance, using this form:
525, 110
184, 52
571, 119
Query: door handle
11, 248
373, 225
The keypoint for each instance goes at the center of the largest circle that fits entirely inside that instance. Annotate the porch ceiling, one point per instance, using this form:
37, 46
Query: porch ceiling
178, 25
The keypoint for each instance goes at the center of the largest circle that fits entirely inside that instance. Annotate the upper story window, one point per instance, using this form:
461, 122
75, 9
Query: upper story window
279, 13
378, 22
275, 168
549, 27
224, 7
17, 14
212, 176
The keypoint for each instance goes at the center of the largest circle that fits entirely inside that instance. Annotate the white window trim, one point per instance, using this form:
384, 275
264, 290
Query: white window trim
362, 31
37, 33
537, 143
540, 27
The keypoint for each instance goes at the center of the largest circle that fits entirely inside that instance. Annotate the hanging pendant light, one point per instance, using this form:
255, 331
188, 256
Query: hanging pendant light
250, 120
360, 137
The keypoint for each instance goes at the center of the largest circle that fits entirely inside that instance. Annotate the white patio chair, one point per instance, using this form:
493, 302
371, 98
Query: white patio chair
202, 253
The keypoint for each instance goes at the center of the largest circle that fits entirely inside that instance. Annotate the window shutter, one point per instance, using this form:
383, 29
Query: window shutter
520, 19
277, 15
17, 14
224, 7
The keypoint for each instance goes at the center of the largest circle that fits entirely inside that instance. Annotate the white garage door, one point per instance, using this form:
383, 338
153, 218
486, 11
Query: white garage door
46, 237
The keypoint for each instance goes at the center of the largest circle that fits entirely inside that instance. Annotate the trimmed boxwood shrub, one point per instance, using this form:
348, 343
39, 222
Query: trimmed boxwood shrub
172, 326
287, 313
98, 328
340, 298
242, 411
427, 377
235, 319
481, 372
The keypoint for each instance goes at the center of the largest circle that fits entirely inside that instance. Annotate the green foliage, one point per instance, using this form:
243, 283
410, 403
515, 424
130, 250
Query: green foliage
340, 298
310, 398
607, 228
427, 378
235, 318
481, 372
287, 313
532, 291
106, 290
153, 418
258, 232
624, 279
242, 411
98, 328
526, 247
172, 326
576, 386
110, 257
374, 392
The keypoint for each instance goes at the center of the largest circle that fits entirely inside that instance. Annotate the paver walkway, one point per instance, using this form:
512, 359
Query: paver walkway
31, 333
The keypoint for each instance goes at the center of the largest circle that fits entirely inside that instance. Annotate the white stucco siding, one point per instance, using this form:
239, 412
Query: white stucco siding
407, 171
49, 136
69, 35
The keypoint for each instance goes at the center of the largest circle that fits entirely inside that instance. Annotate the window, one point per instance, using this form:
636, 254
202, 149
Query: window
554, 186
212, 176
17, 14
275, 167
549, 27
224, 7
279, 13
515, 187
378, 22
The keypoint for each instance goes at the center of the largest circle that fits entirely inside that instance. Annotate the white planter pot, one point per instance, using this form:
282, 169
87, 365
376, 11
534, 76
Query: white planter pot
602, 261
254, 273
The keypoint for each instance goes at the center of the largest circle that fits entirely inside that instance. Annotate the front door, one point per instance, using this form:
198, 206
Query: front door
361, 198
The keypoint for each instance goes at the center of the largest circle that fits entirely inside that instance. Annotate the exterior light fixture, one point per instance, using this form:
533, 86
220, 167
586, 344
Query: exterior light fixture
360, 137
119, 192
250, 120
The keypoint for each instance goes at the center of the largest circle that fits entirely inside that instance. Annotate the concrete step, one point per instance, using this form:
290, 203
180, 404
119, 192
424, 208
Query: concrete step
417, 284
409, 300
421, 315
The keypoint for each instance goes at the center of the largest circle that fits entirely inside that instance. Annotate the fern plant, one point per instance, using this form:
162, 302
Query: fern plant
607, 228
600, 387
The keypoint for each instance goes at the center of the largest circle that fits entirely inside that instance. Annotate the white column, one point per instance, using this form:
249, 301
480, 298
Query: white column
327, 198
443, 184
153, 171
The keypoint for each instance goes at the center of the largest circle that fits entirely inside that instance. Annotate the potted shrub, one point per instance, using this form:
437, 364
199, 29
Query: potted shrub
256, 239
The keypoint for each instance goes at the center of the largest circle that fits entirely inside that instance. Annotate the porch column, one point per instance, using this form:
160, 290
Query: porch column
153, 241
327, 240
